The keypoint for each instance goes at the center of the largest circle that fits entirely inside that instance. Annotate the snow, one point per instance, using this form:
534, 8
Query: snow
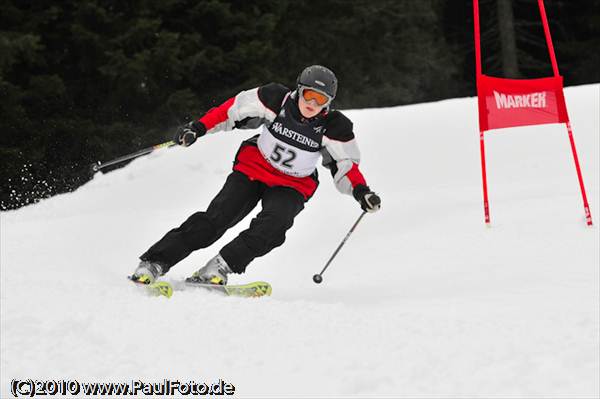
423, 301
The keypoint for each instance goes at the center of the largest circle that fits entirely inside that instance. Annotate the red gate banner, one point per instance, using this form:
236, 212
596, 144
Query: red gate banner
519, 102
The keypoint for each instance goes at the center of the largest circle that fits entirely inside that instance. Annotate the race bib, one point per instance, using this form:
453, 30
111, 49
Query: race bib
292, 153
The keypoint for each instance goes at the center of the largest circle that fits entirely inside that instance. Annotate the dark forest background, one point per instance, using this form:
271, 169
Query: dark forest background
83, 81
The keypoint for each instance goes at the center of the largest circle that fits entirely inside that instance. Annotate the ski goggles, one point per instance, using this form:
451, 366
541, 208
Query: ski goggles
310, 94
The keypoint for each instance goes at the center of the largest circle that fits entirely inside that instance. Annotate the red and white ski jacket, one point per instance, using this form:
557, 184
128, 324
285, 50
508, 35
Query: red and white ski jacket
289, 146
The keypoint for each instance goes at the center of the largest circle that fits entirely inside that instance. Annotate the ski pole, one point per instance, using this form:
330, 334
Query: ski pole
101, 165
318, 278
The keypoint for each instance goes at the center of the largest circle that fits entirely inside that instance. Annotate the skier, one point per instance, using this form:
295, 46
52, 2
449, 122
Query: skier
277, 167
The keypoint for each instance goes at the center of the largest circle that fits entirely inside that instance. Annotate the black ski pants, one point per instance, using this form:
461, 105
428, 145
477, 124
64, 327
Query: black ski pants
237, 198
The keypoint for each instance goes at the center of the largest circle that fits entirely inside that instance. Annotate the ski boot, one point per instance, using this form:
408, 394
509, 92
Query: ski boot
215, 272
147, 272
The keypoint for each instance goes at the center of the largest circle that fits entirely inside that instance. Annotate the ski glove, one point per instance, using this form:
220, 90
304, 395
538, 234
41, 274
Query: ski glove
187, 134
368, 200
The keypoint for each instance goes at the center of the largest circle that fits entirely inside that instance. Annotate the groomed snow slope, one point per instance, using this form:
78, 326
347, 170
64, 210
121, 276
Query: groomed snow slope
423, 301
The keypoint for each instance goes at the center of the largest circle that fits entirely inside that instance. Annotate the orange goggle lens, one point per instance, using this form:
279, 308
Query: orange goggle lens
320, 98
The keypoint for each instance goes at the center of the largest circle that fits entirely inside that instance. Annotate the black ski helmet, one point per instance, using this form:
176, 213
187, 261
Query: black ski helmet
320, 78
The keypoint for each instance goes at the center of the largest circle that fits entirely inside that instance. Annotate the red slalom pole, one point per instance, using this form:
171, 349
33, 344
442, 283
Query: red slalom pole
586, 206
486, 205
477, 40
548, 37
476, 34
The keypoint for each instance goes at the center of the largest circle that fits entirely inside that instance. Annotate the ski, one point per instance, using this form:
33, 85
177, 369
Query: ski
250, 290
158, 288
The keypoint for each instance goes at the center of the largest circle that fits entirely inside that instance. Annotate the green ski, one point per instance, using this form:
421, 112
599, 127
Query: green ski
250, 290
